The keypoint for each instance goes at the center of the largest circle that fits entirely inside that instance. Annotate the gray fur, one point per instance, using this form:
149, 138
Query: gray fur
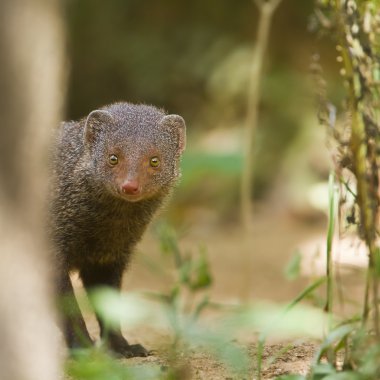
94, 224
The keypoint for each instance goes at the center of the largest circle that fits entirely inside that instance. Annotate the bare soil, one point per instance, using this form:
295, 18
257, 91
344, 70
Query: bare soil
199, 365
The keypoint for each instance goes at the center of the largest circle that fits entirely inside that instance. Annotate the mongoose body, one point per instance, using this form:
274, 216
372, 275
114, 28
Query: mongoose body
112, 171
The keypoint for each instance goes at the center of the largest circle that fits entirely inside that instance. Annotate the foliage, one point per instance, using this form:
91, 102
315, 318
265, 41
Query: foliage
192, 271
178, 311
352, 346
293, 268
97, 365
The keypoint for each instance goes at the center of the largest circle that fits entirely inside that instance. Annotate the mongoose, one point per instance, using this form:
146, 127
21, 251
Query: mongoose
112, 171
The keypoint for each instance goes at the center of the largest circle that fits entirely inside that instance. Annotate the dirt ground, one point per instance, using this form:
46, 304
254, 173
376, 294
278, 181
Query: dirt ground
200, 365
245, 268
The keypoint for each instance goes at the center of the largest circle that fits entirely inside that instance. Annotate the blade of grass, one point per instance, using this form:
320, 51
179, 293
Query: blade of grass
262, 338
317, 283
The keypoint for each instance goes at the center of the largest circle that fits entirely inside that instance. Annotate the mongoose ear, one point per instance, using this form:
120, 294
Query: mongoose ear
178, 126
95, 123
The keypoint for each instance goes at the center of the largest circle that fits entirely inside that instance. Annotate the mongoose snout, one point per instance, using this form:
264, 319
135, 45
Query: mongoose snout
131, 187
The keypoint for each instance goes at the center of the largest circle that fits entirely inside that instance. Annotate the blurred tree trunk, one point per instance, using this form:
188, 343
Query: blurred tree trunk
31, 84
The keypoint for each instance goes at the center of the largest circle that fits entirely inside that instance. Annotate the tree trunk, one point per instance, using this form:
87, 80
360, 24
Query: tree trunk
31, 93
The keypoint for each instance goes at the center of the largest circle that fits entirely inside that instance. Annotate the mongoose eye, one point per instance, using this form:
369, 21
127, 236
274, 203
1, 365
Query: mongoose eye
154, 162
113, 160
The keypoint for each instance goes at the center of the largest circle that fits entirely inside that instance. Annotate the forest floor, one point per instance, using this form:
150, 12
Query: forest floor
249, 267
199, 365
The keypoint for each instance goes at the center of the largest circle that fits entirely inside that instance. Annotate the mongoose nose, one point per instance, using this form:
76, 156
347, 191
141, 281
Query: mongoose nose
130, 187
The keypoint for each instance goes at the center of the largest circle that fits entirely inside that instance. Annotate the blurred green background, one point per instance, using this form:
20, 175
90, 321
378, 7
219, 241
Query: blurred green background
192, 58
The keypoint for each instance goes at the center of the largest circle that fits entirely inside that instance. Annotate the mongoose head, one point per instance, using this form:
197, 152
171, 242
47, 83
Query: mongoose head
135, 150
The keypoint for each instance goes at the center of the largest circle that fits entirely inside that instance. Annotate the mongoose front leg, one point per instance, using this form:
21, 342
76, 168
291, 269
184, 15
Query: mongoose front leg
110, 275
75, 330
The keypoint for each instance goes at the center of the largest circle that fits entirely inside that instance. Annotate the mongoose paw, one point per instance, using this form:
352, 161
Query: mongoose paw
131, 351
122, 348
138, 350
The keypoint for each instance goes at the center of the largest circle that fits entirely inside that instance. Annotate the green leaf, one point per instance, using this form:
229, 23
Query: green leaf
291, 377
335, 336
201, 276
306, 292
343, 376
169, 243
97, 365
114, 307
293, 268
200, 306
185, 271
320, 371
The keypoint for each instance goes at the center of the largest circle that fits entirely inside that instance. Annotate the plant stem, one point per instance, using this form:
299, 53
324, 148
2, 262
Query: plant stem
359, 146
329, 261
366, 299
266, 10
